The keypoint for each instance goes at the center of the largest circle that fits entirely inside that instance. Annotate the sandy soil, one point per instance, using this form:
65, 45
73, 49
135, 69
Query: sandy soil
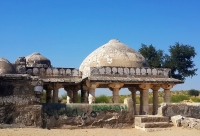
174, 131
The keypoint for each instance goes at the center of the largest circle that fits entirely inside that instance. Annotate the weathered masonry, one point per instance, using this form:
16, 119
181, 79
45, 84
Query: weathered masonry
114, 65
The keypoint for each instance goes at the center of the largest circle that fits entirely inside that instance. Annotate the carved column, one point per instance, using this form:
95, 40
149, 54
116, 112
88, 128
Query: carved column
115, 87
84, 94
75, 96
155, 89
72, 93
145, 98
69, 91
133, 94
48, 89
167, 88
56, 88
91, 86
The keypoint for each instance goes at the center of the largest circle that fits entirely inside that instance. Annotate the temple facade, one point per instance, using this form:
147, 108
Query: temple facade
112, 66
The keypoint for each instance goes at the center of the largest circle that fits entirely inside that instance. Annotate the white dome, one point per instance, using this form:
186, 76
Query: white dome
113, 53
6, 67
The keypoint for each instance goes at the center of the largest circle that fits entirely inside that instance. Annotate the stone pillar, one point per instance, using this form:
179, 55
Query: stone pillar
69, 91
115, 87
167, 88
48, 93
55, 93
155, 89
145, 98
92, 86
75, 96
84, 94
133, 94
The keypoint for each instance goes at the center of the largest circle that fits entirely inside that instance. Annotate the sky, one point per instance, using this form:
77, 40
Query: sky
66, 31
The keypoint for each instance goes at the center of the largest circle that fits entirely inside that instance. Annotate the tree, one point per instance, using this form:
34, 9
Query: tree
153, 57
179, 59
193, 92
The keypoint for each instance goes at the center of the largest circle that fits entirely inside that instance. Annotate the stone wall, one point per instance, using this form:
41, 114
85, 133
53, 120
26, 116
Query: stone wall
88, 115
20, 116
19, 103
184, 109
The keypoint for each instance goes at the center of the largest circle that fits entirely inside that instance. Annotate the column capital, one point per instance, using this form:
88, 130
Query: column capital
145, 86
92, 85
85, 88
155, 87
167, 86
116, 85
57, 86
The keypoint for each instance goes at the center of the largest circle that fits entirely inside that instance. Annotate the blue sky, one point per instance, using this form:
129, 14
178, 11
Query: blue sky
66, 31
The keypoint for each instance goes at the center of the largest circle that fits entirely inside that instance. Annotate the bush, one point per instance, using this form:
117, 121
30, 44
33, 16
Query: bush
195, 99
179, 98
137, 100
193, 92
102, 99
44, 96
150, 99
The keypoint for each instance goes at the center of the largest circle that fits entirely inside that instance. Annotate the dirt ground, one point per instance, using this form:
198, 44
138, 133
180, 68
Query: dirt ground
173, 131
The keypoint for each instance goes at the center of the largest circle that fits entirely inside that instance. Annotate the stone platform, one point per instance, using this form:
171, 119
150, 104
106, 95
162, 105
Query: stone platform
152, 122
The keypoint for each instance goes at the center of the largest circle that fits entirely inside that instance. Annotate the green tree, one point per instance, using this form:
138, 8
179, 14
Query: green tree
179, 59
153, 57
193, 92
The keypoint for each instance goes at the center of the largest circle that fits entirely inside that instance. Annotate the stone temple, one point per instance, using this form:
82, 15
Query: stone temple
112, 66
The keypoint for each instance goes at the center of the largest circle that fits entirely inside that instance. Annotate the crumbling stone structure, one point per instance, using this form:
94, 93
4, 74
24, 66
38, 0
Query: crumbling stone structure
114, 65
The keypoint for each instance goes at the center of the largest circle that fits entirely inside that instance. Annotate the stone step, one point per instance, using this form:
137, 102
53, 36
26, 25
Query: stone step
150, 118
153, 125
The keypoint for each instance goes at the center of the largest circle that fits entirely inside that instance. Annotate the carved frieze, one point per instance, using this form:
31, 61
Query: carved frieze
130, 71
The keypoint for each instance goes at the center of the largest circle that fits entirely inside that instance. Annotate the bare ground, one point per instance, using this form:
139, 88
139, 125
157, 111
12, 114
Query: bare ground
173, 131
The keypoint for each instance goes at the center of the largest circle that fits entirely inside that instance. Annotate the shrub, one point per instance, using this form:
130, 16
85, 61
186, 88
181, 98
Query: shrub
79, 98
179, 98
150, 99
137, 100
195, 99
44, 96
102, 99
193, 92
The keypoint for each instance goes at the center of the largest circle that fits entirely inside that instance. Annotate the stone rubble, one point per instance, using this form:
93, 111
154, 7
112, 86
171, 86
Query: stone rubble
191, 123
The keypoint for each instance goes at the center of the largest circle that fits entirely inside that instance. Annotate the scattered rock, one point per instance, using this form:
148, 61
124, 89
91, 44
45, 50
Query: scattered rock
177, 120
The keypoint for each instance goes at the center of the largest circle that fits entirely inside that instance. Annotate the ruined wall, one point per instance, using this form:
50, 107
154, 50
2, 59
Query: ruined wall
88, 115
185, 109
17, 103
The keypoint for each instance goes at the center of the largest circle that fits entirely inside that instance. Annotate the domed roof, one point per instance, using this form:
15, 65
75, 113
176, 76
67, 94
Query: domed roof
37, 60
6, 67
113, 53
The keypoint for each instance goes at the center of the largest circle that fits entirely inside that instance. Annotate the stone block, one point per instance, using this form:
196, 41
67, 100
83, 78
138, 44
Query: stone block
176, 120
